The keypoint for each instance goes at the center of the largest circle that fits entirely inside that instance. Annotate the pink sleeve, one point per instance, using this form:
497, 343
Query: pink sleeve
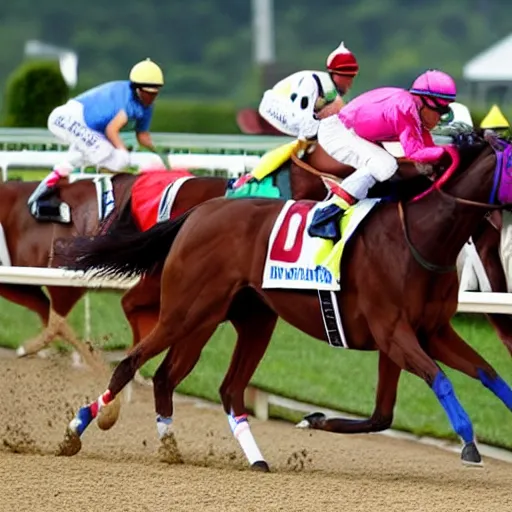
417, 143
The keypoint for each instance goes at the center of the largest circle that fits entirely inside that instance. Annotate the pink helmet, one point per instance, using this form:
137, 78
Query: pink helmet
435, 84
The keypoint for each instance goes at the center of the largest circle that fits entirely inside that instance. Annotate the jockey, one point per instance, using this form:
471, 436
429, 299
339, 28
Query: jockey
292, 105
384, 114
90, 123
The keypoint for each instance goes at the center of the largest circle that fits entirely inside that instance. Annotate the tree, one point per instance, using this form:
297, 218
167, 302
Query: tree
32, 92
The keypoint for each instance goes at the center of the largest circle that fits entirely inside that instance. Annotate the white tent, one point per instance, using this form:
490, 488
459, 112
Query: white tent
490, 74
491, 65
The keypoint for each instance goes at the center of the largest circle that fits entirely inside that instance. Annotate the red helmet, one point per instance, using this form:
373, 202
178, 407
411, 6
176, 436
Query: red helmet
342, 61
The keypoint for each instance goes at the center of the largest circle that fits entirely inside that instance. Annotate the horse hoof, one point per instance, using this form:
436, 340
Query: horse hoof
471, 456
260, 465
108, 415
312, 420
71, 445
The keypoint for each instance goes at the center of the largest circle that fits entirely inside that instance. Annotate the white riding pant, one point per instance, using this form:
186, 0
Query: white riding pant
371, 162
86, 146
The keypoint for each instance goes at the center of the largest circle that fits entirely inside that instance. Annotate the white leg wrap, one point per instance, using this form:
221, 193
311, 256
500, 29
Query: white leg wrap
163, 426
242, 432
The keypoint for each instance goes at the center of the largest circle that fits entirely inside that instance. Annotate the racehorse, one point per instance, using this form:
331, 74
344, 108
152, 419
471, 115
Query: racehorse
398, 293
27, 241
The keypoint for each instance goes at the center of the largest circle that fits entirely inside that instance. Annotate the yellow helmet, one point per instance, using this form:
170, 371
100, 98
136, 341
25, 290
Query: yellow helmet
147, 75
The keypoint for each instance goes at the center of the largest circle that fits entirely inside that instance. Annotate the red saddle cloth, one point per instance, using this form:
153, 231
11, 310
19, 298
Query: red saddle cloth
147, 193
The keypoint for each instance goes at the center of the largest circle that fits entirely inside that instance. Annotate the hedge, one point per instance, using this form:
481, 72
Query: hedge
33, 90
194, 117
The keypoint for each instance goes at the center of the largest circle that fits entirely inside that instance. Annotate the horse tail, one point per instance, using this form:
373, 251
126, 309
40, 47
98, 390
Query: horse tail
123, 254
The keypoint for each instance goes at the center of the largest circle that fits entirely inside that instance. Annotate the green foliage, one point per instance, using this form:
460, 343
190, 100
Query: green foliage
33, 91
194, 117
205, 47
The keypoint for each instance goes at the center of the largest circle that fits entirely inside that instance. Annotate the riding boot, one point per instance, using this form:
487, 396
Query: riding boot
45, 207
43, 189
326, 220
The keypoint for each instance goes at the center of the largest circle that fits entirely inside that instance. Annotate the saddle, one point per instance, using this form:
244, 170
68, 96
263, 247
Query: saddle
50, 208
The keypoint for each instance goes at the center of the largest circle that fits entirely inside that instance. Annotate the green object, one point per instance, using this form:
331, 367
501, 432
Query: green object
263, 188
33, 91
194, 117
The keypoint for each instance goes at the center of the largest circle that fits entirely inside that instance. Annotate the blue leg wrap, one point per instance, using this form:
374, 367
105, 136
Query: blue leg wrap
163, 419
498, 386
458, 417
83, 419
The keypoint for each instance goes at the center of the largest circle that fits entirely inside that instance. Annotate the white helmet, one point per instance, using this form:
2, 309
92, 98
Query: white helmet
147, 75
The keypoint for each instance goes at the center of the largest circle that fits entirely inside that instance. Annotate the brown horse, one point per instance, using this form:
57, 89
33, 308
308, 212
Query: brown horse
399, 292
29, 242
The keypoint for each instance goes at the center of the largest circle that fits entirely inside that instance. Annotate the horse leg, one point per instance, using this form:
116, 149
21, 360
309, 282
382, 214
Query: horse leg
187, 320
382, 417
178, 363
141, 306
33, 298
449, 348
62, 301
254, 322
404, 349
151, 346
488, 247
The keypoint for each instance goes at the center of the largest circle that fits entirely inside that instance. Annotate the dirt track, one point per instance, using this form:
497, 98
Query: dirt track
119, 470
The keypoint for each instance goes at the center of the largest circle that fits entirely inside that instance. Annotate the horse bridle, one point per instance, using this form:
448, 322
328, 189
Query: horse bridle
432, 267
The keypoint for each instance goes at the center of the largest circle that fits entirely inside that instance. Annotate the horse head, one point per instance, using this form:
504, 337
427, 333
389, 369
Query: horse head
470, 147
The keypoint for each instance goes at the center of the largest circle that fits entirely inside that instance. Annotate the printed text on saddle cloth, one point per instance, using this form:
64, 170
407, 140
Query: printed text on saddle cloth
291, 254
296, 260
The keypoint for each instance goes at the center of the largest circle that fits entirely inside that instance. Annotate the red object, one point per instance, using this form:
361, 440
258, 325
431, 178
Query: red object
242, 180
291, 254
147, 192
455, 157
342, 61
336, 189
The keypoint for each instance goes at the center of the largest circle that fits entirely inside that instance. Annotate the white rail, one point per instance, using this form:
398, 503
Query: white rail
469, 302
235, 165
60, 277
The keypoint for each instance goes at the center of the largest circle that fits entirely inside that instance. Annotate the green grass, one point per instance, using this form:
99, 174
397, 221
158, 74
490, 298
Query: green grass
299, 367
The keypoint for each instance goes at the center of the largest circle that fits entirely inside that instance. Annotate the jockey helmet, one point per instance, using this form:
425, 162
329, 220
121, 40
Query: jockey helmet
147, 75
436, 89
342, 61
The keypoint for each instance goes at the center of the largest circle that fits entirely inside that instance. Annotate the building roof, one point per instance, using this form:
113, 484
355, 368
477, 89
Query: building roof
492, 64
